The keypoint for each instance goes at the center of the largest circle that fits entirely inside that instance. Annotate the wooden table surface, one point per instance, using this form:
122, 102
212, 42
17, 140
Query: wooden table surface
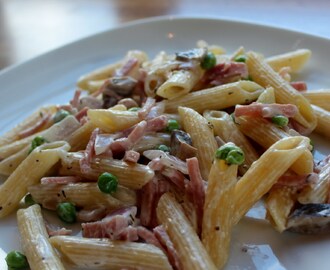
31, 27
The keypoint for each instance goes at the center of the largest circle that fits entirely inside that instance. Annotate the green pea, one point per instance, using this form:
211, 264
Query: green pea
60, 115
37, 141
172, 124
231, 153
280, 120
28, 200
66, 212
164, 148
107, 182
134, 109
16, 260
240, 58
209, 61
312, 145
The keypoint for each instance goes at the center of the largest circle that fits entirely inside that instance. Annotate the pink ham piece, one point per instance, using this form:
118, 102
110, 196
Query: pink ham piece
88, 215
45, 117
266, 110
225, 73
127, 67
299, 86
195, 190
167, 245
148, 237
156, 110
60, 180
75, 101
53, 230
297, 181
85, 162
176, 177
132, 156
158, 123
81, 114
111, 226
147, 106
166, 159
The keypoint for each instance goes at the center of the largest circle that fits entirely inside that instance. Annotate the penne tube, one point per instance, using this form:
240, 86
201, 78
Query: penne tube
279, 204
35, 241
89, 253
112, 120
258, 180
84, 195
264, 75
79, 138
295, 60
218, 209
319, 98
318, 192
217, 98
266, 134
29, 173
185, 240
323, 121
133, 176
267, 96
202, 137
225, 128
179, 83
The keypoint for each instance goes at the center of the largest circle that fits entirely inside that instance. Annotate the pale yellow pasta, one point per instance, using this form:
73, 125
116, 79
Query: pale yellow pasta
267, 97
89, 253
238, 52
266, 134
323, 121
190, 249
319, 191
79, 138
218, 209
29, 173
279, 204
113, 120
217, 98
295, 60
225, 128
35, 241
258, 180
85, 195
100, 75
202, 137
179, 83
319, 98
264, 75
133, 176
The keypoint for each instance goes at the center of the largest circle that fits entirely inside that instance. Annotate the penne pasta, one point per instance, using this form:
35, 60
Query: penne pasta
318, 98
185, 240
35, 242
323, 121
267, 96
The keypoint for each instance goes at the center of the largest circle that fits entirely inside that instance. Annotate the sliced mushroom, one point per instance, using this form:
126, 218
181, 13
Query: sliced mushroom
181, 145
310, 219
192, 55
116, 88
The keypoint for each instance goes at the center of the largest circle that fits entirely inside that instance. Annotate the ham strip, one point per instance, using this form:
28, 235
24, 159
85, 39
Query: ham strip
147, 106
158, 123
148, 237
195, 190
132, 156
45, 117
299, 86
85, 162
298, 181
266, 110
75, 101
127, 67
88, 215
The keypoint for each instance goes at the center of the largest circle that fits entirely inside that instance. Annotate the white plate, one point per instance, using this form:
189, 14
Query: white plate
51, 78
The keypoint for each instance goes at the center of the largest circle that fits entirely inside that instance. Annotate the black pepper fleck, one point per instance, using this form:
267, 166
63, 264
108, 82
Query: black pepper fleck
217, 228
63, 193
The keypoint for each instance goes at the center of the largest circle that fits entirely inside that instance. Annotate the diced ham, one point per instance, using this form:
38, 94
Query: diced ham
88, 215
45, 117
75, 101
150, 195
158, 123
299, 128
89, 152
81, 114
266, 110
148, 237
167, 160
127, 67
147, 106
111, 226
168, 246
60, 231
176, 177
156, 110
156, 164
60, 180
298, 181
132, 156
225, 73
299, 86
195, 190
129, 234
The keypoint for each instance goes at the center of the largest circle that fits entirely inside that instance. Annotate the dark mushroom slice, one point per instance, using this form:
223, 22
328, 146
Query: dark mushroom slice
116, 88
192, 55
181, 145
310, 218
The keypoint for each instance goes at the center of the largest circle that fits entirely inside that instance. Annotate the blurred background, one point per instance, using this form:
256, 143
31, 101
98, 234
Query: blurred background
31, 27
